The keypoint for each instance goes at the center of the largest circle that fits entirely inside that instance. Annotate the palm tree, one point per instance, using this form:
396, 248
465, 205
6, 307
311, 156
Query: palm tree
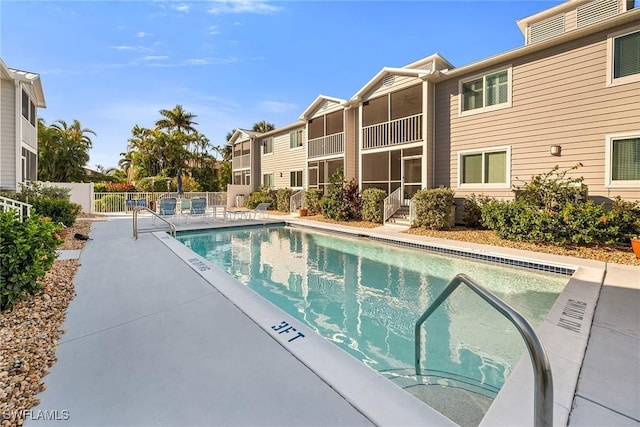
263, 126
177, 119
64, 151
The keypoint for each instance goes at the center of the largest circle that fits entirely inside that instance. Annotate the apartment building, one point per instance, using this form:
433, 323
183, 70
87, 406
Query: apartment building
570, 95
21, 95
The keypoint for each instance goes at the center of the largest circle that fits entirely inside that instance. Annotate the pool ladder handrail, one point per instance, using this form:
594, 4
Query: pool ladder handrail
144, 208
543, 380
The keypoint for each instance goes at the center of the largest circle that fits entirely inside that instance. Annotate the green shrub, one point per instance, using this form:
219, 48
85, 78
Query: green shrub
27, 252
283, 196
256, 198
552, 189
472, 206
100, 187
110, 203
574, 223
373, 205
433, 208
59, 210
342, 201
152, 183
61, 193
312, 200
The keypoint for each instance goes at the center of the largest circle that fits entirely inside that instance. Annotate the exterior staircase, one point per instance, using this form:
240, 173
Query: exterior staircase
401, 217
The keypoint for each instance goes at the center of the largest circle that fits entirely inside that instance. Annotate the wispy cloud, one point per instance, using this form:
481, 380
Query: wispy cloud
141, 34
213, 30
219, 7
153, 57
277, 107
182, 7
196, 61
122, 47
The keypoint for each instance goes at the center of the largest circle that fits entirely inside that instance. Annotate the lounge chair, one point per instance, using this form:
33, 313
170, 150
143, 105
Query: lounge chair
198, 208
260, 210
167, 208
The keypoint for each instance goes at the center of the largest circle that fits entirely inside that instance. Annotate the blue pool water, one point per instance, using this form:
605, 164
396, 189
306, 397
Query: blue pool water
366, 296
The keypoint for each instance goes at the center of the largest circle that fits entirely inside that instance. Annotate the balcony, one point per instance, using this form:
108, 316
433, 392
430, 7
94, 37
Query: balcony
399, 131
326, 145
241, 162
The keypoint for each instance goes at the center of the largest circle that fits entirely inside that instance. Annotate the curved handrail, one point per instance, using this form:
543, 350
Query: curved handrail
543, 380
144, 208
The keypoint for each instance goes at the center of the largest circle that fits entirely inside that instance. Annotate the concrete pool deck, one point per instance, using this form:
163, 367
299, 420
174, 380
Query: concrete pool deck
150, 342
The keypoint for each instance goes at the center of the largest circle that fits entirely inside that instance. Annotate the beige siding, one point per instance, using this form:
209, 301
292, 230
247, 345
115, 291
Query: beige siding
570, 20
284, 160
428, 136
7, 136
560, 97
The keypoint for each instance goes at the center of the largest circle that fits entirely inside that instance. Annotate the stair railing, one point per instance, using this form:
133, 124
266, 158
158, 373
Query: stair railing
23, 209
392, 203
543, 380
296, 201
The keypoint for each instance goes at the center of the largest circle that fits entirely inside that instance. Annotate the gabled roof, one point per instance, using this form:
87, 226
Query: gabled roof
248, 134
26, 77
318, 102
436, 62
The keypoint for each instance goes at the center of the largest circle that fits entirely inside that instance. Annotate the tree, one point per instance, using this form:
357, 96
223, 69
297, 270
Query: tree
263, 127
177, 119
63, 151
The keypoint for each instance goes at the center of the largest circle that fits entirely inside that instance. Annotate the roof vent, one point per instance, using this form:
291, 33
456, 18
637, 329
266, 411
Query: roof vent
388, 80
546, 29
324, 105
595, 11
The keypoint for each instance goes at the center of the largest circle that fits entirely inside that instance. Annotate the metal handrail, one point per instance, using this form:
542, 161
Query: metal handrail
143, 208
23, 209
543, 381
392, 203
296, 201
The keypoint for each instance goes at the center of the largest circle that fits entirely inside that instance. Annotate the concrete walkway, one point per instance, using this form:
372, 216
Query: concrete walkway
150, 342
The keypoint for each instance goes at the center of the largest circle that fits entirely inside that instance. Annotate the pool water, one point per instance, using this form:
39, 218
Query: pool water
366, 296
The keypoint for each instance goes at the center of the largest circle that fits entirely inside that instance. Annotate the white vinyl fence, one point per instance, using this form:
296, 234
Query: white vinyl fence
125, 202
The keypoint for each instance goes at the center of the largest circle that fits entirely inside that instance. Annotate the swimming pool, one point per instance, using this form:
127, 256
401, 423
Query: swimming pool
365, 297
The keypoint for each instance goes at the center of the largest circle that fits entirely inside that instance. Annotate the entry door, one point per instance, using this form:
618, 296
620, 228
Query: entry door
411, 177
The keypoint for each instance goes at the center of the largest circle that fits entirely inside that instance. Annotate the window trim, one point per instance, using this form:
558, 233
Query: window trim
272, 179
264, 146
507, 184
301, 178
300, 142
611, 81
608, 182
485, 109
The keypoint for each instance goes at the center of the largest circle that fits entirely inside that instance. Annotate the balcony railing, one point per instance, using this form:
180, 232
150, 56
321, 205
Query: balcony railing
399, 131
326, 145
241, 162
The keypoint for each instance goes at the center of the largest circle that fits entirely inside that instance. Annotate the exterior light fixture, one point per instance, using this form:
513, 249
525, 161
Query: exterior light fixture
555, 150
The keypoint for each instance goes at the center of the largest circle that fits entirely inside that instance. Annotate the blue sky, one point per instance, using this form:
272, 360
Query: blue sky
115, 64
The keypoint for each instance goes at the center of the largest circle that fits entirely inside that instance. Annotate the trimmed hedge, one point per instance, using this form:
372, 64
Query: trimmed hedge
27, 252
433, 208
256, 198
312, 200
58, 210
283, 198
373, 205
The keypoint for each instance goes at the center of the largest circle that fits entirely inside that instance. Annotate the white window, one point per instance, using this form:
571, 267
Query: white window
488, 92
488, 168
267, 180
295, 179
623, 57
267, 146
622, 158
295, 139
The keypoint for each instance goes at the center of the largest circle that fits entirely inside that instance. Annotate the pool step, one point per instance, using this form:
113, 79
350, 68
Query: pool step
462, 402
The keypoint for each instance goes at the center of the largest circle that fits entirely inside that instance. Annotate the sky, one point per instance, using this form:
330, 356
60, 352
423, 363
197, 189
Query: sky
115, 64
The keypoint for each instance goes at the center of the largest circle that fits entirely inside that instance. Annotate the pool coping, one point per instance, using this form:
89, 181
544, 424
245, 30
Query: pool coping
564, 332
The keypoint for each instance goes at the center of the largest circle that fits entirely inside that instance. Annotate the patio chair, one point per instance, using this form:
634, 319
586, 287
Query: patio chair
198, 207
260, 210
166, 208
185, 206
